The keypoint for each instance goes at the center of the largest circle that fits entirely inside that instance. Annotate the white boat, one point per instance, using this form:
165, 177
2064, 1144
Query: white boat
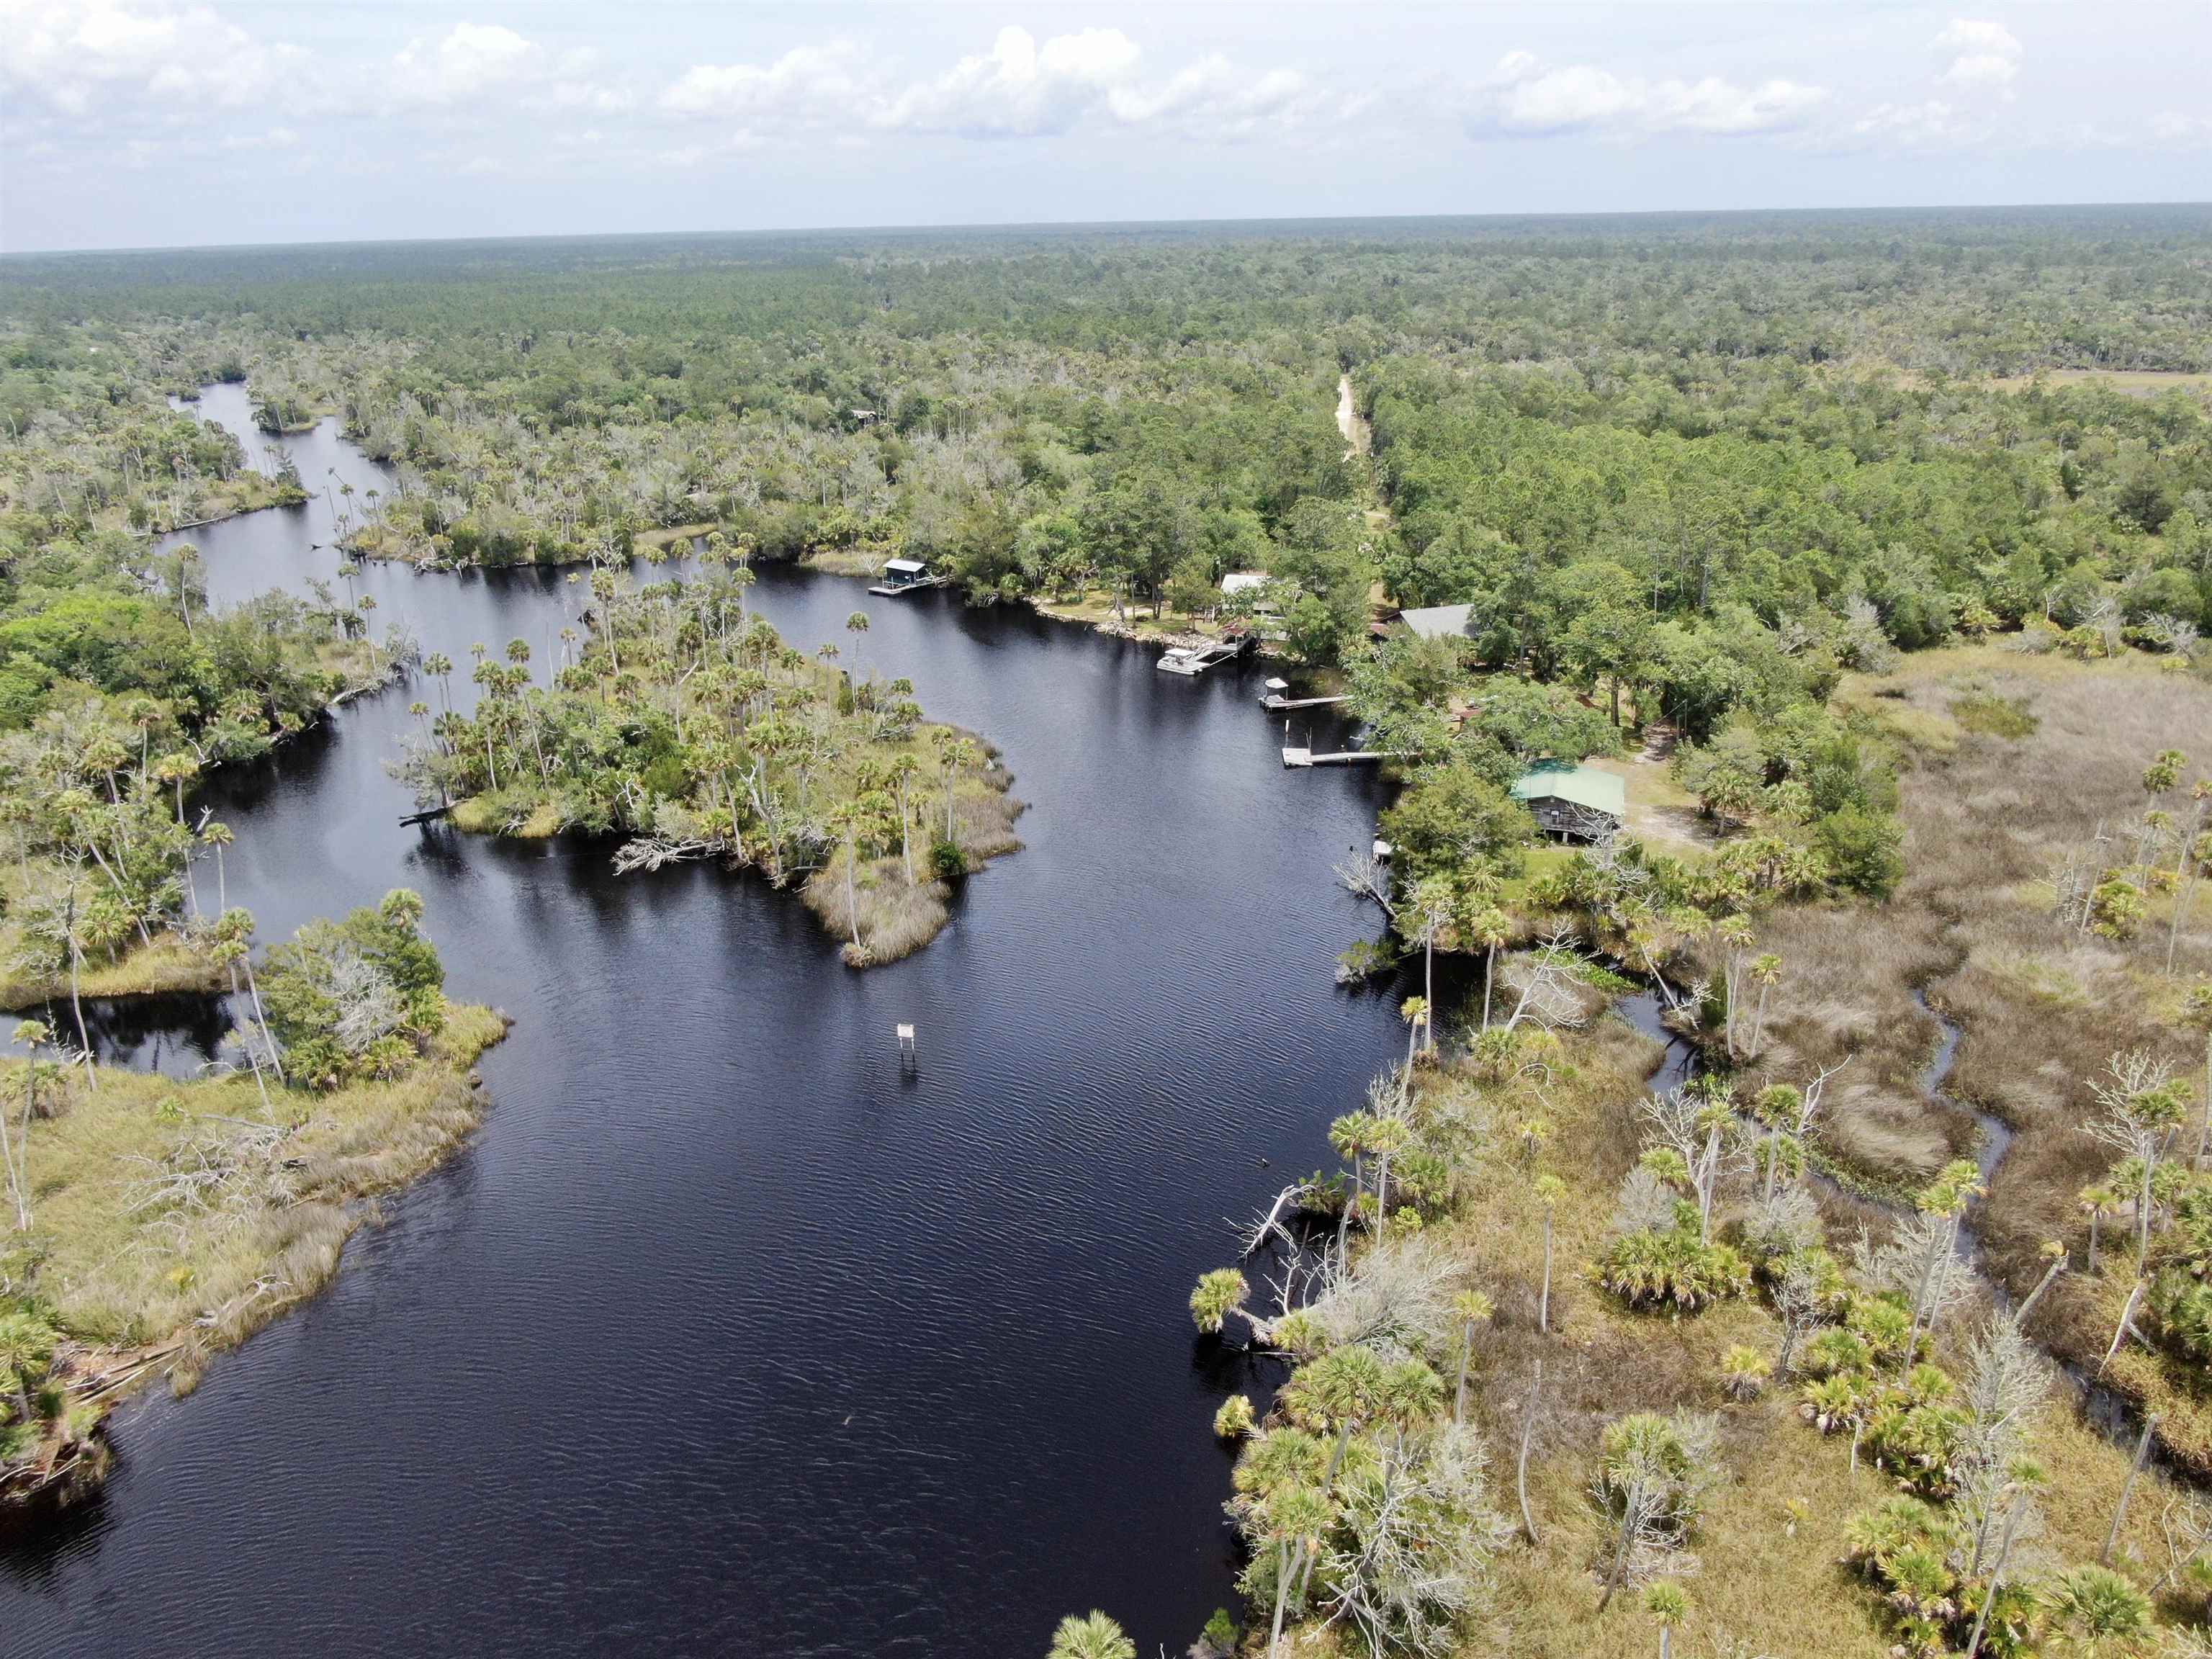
1194, 660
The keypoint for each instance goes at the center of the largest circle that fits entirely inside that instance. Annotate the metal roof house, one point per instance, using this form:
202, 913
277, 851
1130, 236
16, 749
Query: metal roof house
1437, 622
1582, 801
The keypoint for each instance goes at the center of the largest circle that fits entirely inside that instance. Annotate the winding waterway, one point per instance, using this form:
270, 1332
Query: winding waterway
723, 1335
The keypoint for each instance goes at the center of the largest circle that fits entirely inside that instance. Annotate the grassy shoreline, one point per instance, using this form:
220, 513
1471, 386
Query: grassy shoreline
149, 1276
1773, 1541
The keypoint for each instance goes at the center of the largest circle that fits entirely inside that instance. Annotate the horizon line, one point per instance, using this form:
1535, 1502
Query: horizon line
1011, 227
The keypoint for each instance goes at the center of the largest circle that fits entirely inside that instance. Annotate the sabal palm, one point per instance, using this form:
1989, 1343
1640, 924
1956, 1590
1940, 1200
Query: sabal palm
1092, 1636
27, 1346
2098, 1611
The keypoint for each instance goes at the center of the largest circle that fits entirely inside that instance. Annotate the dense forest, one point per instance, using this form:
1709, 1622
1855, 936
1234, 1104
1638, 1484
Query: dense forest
1871, 553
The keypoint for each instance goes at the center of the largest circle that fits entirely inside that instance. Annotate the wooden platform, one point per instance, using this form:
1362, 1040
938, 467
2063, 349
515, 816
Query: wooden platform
1303, 757
1276, 704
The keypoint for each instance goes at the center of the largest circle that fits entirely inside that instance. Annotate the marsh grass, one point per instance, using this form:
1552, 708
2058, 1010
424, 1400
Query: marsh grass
1768, 1570
898, 917
124, 1268
2043, 1006
173, 962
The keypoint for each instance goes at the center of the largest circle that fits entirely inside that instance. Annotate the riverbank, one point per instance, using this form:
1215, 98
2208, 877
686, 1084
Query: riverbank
34, 966
173, 962
171, 1220
1505, 1261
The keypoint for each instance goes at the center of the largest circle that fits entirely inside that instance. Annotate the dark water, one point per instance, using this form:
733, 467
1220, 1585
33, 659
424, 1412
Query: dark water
722, 1336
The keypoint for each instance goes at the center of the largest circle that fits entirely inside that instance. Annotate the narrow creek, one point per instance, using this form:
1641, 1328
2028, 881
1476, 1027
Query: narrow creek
1992, 1134
724, 1335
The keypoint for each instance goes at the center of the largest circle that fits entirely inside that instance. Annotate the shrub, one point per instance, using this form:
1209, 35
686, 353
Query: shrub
1836, 1350
1863, 850
1745, 1372
2096, 1605
947, 862
354, 999
1234, 1420
1669, 1268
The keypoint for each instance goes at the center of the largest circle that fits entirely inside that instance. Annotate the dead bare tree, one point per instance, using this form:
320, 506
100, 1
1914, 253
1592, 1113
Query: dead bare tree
1365, 874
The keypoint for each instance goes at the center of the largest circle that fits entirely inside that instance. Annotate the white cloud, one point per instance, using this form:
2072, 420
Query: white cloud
471, 60
1984, 54
66, 55
1214, 99
475, 66
1931, 124
1019, 90
808, 87
1521, 96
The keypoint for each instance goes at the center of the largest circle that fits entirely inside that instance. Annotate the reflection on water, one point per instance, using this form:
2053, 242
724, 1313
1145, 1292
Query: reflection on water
178, 1034
723, 1335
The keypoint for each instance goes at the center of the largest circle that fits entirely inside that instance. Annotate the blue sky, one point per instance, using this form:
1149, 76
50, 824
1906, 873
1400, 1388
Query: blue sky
150, 123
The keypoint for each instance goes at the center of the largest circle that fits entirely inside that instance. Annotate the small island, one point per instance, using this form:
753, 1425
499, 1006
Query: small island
693, 731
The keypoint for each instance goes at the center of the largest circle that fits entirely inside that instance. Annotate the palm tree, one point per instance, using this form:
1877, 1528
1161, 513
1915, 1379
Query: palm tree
856, 624
1473, 1309
237, 926
1414, 1010
2098, 1612
440, 665
1350, 1135
904, 770
1299, 1517
1093, 1636
1766, 969
15, 1155
1346, 1386
1412, 1393
1386, 1137
1668, 1603
1218, 1294
1431, 907
2096, 1199
1549, 1190
846, 820
27, 1348
1490, 926
73, 934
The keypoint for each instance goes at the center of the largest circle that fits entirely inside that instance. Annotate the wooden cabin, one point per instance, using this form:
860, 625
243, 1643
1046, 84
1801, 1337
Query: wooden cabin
1575, 803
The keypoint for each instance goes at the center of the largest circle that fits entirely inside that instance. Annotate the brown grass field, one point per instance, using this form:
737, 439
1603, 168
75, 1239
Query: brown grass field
147, 1279
2043, 1006
1767, 1577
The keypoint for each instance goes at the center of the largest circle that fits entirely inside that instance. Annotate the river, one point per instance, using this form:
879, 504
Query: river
723, 1335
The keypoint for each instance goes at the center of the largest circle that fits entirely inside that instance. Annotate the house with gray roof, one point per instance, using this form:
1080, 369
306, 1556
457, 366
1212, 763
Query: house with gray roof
1437, 622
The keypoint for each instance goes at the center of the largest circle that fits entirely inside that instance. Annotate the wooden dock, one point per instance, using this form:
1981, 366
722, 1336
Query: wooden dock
1303, 757
1276, 703
893, 590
